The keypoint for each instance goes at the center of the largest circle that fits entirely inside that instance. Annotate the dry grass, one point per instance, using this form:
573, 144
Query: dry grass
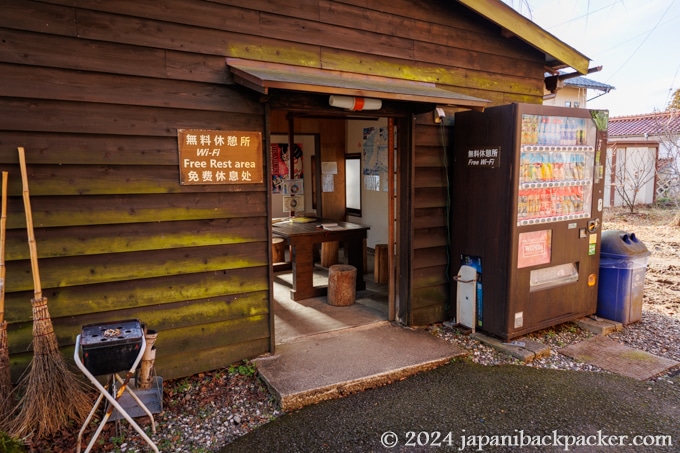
658, 230
644, 215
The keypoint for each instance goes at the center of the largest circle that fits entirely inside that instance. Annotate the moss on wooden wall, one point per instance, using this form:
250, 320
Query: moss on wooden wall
97, 103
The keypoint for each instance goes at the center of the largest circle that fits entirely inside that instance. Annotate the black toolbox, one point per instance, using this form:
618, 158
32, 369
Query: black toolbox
111, 347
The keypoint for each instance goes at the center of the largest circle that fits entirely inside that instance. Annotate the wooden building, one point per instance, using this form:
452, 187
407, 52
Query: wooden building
97, 93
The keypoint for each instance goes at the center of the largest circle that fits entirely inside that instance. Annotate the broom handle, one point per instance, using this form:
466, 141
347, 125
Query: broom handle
3, 229
29, 225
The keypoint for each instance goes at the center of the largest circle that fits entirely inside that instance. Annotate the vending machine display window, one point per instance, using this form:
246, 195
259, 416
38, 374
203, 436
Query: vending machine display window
556, 170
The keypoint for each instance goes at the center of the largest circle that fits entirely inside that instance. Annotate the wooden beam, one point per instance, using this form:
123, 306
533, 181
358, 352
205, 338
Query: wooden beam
513, 22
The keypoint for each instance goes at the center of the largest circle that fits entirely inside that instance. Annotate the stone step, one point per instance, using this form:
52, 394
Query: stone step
339, 363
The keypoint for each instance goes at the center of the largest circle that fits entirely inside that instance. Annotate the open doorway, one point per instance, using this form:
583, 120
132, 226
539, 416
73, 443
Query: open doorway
324, 146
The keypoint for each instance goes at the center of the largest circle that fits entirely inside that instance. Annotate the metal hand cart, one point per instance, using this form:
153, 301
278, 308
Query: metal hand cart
112, 349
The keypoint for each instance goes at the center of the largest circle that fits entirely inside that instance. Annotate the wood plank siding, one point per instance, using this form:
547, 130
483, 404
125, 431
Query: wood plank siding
430, 203
96, 90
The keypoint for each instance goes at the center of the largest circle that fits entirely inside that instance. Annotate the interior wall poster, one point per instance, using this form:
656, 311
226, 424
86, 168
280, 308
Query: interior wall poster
293, 187
374, 151
328, 183
293, 203
281, 163
306, 147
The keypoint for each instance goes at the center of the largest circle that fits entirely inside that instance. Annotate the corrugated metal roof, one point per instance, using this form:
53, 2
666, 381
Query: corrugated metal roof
583, 82
639, 125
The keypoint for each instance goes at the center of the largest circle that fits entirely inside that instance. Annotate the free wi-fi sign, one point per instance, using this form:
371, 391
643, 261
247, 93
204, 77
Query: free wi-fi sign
220, 157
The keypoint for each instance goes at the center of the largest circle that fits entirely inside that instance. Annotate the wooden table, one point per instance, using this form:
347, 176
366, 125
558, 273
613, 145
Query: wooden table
303, 236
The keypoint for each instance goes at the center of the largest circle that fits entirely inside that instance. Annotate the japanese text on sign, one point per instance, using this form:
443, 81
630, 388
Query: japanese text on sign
484, 157
219, 157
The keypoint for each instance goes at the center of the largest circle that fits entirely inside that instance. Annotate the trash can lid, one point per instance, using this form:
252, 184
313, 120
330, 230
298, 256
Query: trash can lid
622, 243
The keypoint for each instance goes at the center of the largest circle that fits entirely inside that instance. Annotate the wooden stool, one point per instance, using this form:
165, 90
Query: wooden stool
342, 285
380, 271
329, 253
278, 250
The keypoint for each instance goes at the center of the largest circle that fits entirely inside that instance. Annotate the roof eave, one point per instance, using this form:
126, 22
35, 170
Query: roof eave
557, 52
263, 76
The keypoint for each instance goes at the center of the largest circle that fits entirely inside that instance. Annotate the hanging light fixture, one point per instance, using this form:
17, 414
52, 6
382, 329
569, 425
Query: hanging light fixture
354, 103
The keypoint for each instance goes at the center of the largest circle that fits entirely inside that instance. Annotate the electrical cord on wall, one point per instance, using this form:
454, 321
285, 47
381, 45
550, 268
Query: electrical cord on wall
443, 137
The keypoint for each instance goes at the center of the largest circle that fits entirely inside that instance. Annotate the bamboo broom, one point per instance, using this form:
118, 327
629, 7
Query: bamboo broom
53, 396
6, 408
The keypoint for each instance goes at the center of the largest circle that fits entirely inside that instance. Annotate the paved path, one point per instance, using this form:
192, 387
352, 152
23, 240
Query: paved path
321, 367
480, 404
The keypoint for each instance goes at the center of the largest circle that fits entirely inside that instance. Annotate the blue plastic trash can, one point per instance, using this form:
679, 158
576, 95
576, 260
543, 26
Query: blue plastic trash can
623, 264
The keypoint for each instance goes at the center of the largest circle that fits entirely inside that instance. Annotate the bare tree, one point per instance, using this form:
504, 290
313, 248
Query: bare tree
632, 169
668, 168
674, 103
521, 6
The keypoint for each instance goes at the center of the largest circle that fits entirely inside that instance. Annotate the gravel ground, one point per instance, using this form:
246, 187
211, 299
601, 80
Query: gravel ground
200, 414
209, 410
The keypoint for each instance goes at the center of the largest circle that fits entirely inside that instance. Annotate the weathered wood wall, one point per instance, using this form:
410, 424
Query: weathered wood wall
430, 263
96, 100
95, 91
437, 41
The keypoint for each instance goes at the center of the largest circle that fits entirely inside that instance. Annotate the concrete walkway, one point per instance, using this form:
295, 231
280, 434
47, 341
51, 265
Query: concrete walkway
328, 365
324, 352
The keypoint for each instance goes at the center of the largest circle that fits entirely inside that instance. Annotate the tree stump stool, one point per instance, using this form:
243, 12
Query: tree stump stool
380, 271
278, 250
329, 253
342, 285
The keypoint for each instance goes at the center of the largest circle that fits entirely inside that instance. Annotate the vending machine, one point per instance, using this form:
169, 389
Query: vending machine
526, 212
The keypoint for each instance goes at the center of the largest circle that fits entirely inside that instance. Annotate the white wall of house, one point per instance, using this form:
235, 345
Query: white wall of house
568, 97
632, 161
665, 150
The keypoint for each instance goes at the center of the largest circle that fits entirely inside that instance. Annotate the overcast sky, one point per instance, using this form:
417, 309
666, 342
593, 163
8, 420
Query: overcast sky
636, 41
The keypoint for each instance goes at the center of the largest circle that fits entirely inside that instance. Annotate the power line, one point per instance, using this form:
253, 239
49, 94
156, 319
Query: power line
643, 41
634, 37
586, 15
670, 89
